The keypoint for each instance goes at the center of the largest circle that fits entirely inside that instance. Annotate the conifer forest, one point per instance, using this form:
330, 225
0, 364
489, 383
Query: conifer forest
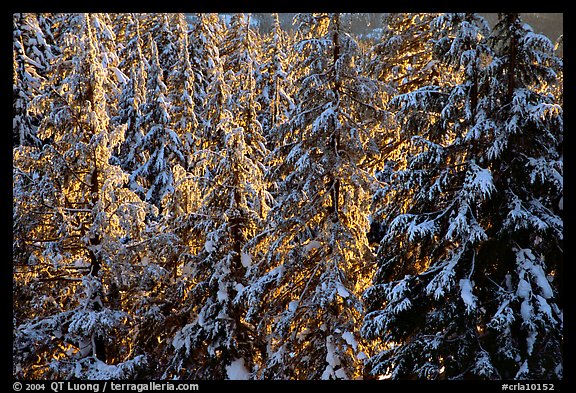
197, 198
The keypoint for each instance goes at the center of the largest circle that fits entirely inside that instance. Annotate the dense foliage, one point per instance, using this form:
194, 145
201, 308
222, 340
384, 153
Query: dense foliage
199, 198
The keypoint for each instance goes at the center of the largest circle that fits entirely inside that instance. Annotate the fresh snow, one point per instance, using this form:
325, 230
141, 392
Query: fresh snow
361, 356
528, 262
544, 307
222, 293
342, 291
524, 289
530, 341
466, 294
312, 245
293, 305
122, 78
350, 340
209, 246
246, 260
541, 281
526, 311
237, 370
333, 361
331, 356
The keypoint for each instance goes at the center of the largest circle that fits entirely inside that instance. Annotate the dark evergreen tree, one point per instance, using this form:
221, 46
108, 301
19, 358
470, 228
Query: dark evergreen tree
204, 39
462, 289
154, 178
275, 84
132, 98
181, 83
161, 27
31, 59
525, 152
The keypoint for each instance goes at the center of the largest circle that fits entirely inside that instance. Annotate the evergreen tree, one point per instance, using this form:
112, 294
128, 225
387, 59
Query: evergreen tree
181, 85
154, 178
31, 59
204, 39
161, 27
453, 296
130, 48
403, 59
73, 216
526, 153
218, 343
275, 83
305, 300
239, 44
406, 224
133, 96
241, 65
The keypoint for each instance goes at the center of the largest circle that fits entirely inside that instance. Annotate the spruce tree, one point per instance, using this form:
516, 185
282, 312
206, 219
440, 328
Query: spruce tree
275, 83
526, 153
204, 39
305, 301
154, 178
403, 58
133, 96
32, 54
462, 288
180, 84
75, 214
218, 343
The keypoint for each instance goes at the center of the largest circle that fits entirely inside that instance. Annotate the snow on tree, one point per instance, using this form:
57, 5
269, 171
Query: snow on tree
161, 27
239, 44
403, 59
526, 152
31, 59
204, 39
133, 96
205, 196
180, 83
305, 300
73, 212
130, 43
106, 39
275, 82
241, 68
218, 343
154, 179
459, 292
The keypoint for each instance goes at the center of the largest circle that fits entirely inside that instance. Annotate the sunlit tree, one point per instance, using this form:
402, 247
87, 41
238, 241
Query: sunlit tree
305, 301
71, 203
234, 196
403, 59
217, 343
